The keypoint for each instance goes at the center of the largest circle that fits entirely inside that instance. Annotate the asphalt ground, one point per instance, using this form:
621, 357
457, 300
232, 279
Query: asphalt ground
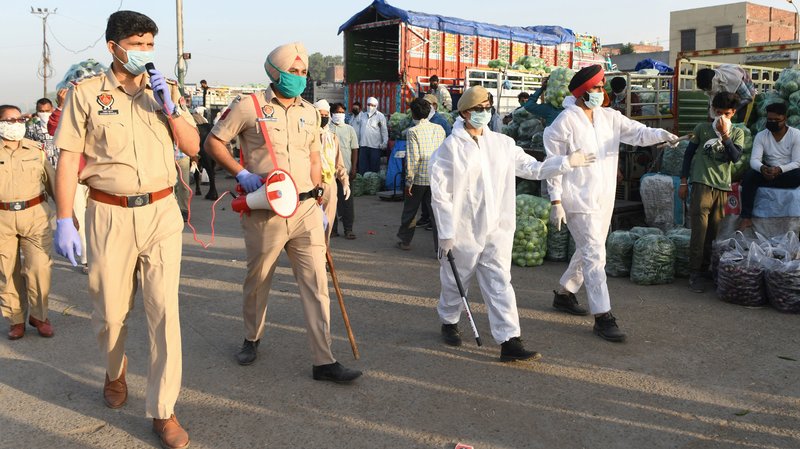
695, 372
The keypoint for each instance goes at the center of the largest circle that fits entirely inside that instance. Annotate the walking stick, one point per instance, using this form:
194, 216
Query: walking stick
463, 296
341, 304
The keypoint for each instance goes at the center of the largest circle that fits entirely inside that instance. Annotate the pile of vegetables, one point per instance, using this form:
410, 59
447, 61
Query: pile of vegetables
79, 71
498, 64
357, 185
641, 231
530, 238
741, 166
399, 122
524, 127
653, 260
672, 159
531, 64
787, 91
558, 86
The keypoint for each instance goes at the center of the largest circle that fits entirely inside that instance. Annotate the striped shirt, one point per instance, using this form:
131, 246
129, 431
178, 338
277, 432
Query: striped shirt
423, 140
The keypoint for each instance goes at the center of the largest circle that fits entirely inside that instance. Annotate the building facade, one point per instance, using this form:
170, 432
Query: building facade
732, 25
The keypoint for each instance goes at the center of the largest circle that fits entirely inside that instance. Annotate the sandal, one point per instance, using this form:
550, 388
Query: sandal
349, 235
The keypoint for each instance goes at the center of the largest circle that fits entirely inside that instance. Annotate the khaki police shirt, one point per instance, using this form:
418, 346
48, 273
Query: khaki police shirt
294, 133
125, 138
24, 173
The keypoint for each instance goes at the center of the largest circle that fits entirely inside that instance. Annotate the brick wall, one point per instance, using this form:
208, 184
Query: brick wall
767, 24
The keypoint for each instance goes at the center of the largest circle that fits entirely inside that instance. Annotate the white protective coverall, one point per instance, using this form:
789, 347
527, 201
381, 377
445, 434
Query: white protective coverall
473, 195
587, 193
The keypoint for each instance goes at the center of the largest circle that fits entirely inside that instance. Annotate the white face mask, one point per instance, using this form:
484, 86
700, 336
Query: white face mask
12, 131
337, 118
595, 100
371, 109
43, 116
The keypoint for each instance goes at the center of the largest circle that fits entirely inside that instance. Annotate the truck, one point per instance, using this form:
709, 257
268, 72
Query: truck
391, 53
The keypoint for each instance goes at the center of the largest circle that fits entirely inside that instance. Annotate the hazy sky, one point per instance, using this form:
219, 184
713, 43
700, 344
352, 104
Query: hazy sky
230, 39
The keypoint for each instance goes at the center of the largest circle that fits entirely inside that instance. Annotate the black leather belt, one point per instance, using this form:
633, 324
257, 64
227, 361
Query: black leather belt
314, 193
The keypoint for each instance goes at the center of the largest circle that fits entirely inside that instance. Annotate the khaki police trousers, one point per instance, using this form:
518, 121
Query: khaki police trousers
329, 201
27, 231
143, 242
265, 235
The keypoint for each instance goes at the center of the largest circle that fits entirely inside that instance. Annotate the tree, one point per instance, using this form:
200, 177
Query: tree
318, 64
627, 49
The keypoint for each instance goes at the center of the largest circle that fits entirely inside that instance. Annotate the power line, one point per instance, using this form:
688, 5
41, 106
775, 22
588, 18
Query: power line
102, 35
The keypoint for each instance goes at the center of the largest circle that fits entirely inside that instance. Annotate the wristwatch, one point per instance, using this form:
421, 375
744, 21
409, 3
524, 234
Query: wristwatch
176, 112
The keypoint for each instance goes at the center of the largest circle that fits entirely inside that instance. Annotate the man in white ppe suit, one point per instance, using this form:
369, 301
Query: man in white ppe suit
584, 197
473, 198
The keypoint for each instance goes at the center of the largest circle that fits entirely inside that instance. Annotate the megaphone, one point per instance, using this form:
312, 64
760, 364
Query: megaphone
278, 194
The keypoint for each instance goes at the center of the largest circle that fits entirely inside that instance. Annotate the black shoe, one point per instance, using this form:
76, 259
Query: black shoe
429, 227
335, 372
513, 349
605, 327
568, 303
451, 334
696, 282
248, 353
423, 223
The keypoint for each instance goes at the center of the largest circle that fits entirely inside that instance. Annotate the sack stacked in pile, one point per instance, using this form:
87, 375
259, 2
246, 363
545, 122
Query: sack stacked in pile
672, 159
530, 238
524, 127
79, 71
558, 243
681, 238
653, 260
755, 272
662, 206
619, 253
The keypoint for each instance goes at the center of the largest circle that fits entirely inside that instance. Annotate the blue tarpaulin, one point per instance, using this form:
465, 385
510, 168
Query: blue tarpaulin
539, 34
663, 68
394, 167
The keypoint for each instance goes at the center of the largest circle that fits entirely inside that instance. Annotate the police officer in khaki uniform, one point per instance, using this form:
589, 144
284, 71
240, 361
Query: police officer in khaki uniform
125, 124
293, 127
26, 177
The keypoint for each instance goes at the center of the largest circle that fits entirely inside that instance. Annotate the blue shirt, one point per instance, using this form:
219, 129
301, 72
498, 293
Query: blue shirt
544, 110
438, 119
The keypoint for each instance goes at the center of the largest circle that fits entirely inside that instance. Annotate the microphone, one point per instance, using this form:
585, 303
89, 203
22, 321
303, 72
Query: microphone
150, 67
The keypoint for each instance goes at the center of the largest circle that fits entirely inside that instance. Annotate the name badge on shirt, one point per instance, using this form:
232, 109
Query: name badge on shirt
106, 101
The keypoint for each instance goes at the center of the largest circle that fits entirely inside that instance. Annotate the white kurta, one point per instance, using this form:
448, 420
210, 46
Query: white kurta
474, 202
587, 193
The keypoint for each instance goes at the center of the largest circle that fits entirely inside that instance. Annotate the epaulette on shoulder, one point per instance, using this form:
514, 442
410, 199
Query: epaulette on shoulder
85, 79
172, 81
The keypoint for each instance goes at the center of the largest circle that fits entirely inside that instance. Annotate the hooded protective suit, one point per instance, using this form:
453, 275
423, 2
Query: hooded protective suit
587, 193
474, 202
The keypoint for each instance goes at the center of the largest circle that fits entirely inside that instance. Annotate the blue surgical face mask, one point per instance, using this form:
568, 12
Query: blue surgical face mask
595, 99
479, 119
288, 84
137, 60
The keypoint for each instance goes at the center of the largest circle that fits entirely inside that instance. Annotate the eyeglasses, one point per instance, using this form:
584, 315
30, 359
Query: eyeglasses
480, 109
13, 120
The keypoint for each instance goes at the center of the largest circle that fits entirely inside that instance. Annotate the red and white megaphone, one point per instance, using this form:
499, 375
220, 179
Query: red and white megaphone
278, 194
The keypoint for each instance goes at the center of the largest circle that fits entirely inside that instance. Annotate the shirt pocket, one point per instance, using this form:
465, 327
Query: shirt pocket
110, 139
32, 169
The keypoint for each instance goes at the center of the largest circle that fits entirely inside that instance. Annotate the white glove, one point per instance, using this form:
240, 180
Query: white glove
557, 216
671, 139
346, 191
580, 159
445, 245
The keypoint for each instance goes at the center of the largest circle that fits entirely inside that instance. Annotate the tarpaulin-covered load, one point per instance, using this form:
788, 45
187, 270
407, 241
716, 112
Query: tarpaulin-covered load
389, 52
538, 34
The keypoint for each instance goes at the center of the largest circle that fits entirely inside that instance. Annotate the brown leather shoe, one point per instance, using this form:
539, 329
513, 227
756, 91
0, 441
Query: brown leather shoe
115, 393
44, 327
171, 433
17, 331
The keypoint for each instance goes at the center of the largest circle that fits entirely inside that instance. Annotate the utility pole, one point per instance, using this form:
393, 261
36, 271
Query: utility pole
46, 69
181, 61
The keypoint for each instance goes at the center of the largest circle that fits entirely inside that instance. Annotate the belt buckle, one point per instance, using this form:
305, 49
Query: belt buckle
17, 205
138, 200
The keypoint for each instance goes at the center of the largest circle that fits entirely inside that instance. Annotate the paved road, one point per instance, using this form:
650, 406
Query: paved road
695, 373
